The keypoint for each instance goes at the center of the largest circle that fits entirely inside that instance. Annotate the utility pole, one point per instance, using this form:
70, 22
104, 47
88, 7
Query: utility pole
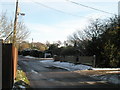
119, 8
15, 24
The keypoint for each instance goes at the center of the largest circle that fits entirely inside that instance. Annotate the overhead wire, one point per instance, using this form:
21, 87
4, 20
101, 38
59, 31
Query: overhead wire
89, 7
56, 9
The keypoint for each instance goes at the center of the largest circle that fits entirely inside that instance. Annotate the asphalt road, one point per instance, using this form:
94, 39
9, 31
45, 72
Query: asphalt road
45, 76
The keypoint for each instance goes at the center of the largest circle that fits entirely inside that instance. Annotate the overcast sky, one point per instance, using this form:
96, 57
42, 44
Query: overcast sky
57, 19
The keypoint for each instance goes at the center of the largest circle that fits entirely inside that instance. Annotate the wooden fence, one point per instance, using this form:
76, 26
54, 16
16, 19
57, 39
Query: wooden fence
88, 60
9, 65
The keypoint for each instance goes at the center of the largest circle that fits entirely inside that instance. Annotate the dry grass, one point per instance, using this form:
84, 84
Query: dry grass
98, 72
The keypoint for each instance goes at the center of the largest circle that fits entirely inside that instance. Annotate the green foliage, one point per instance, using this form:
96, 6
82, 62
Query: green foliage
36, 53
67, 51
21, 76
110, 54
54, 49
110, 44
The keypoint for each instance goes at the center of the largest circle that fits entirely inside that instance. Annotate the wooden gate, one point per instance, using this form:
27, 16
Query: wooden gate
7, 66
0, 64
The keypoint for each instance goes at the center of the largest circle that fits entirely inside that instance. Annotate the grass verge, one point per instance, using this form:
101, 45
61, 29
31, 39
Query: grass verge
21, 80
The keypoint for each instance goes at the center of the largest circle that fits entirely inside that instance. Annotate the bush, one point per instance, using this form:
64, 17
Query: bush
36, 53
25, 52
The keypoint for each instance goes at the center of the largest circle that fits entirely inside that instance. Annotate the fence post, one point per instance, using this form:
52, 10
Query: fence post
1, 41
15, 59
94, 60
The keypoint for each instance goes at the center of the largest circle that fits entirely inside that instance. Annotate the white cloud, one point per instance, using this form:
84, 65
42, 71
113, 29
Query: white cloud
0, 9
61, 30
97, 0
60, 0
43, 33
73, 0
98, 15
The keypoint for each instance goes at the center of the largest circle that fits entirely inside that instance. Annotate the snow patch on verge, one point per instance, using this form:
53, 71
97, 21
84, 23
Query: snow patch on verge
110, 78
34, 71
22, 86
66, 65
30, 57
47, 61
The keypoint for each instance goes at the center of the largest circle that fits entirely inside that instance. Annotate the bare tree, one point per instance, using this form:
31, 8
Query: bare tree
95, 28
77, 36
22, 32
6, 27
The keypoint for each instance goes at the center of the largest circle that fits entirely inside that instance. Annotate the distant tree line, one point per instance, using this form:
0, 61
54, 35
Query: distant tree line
35, 49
